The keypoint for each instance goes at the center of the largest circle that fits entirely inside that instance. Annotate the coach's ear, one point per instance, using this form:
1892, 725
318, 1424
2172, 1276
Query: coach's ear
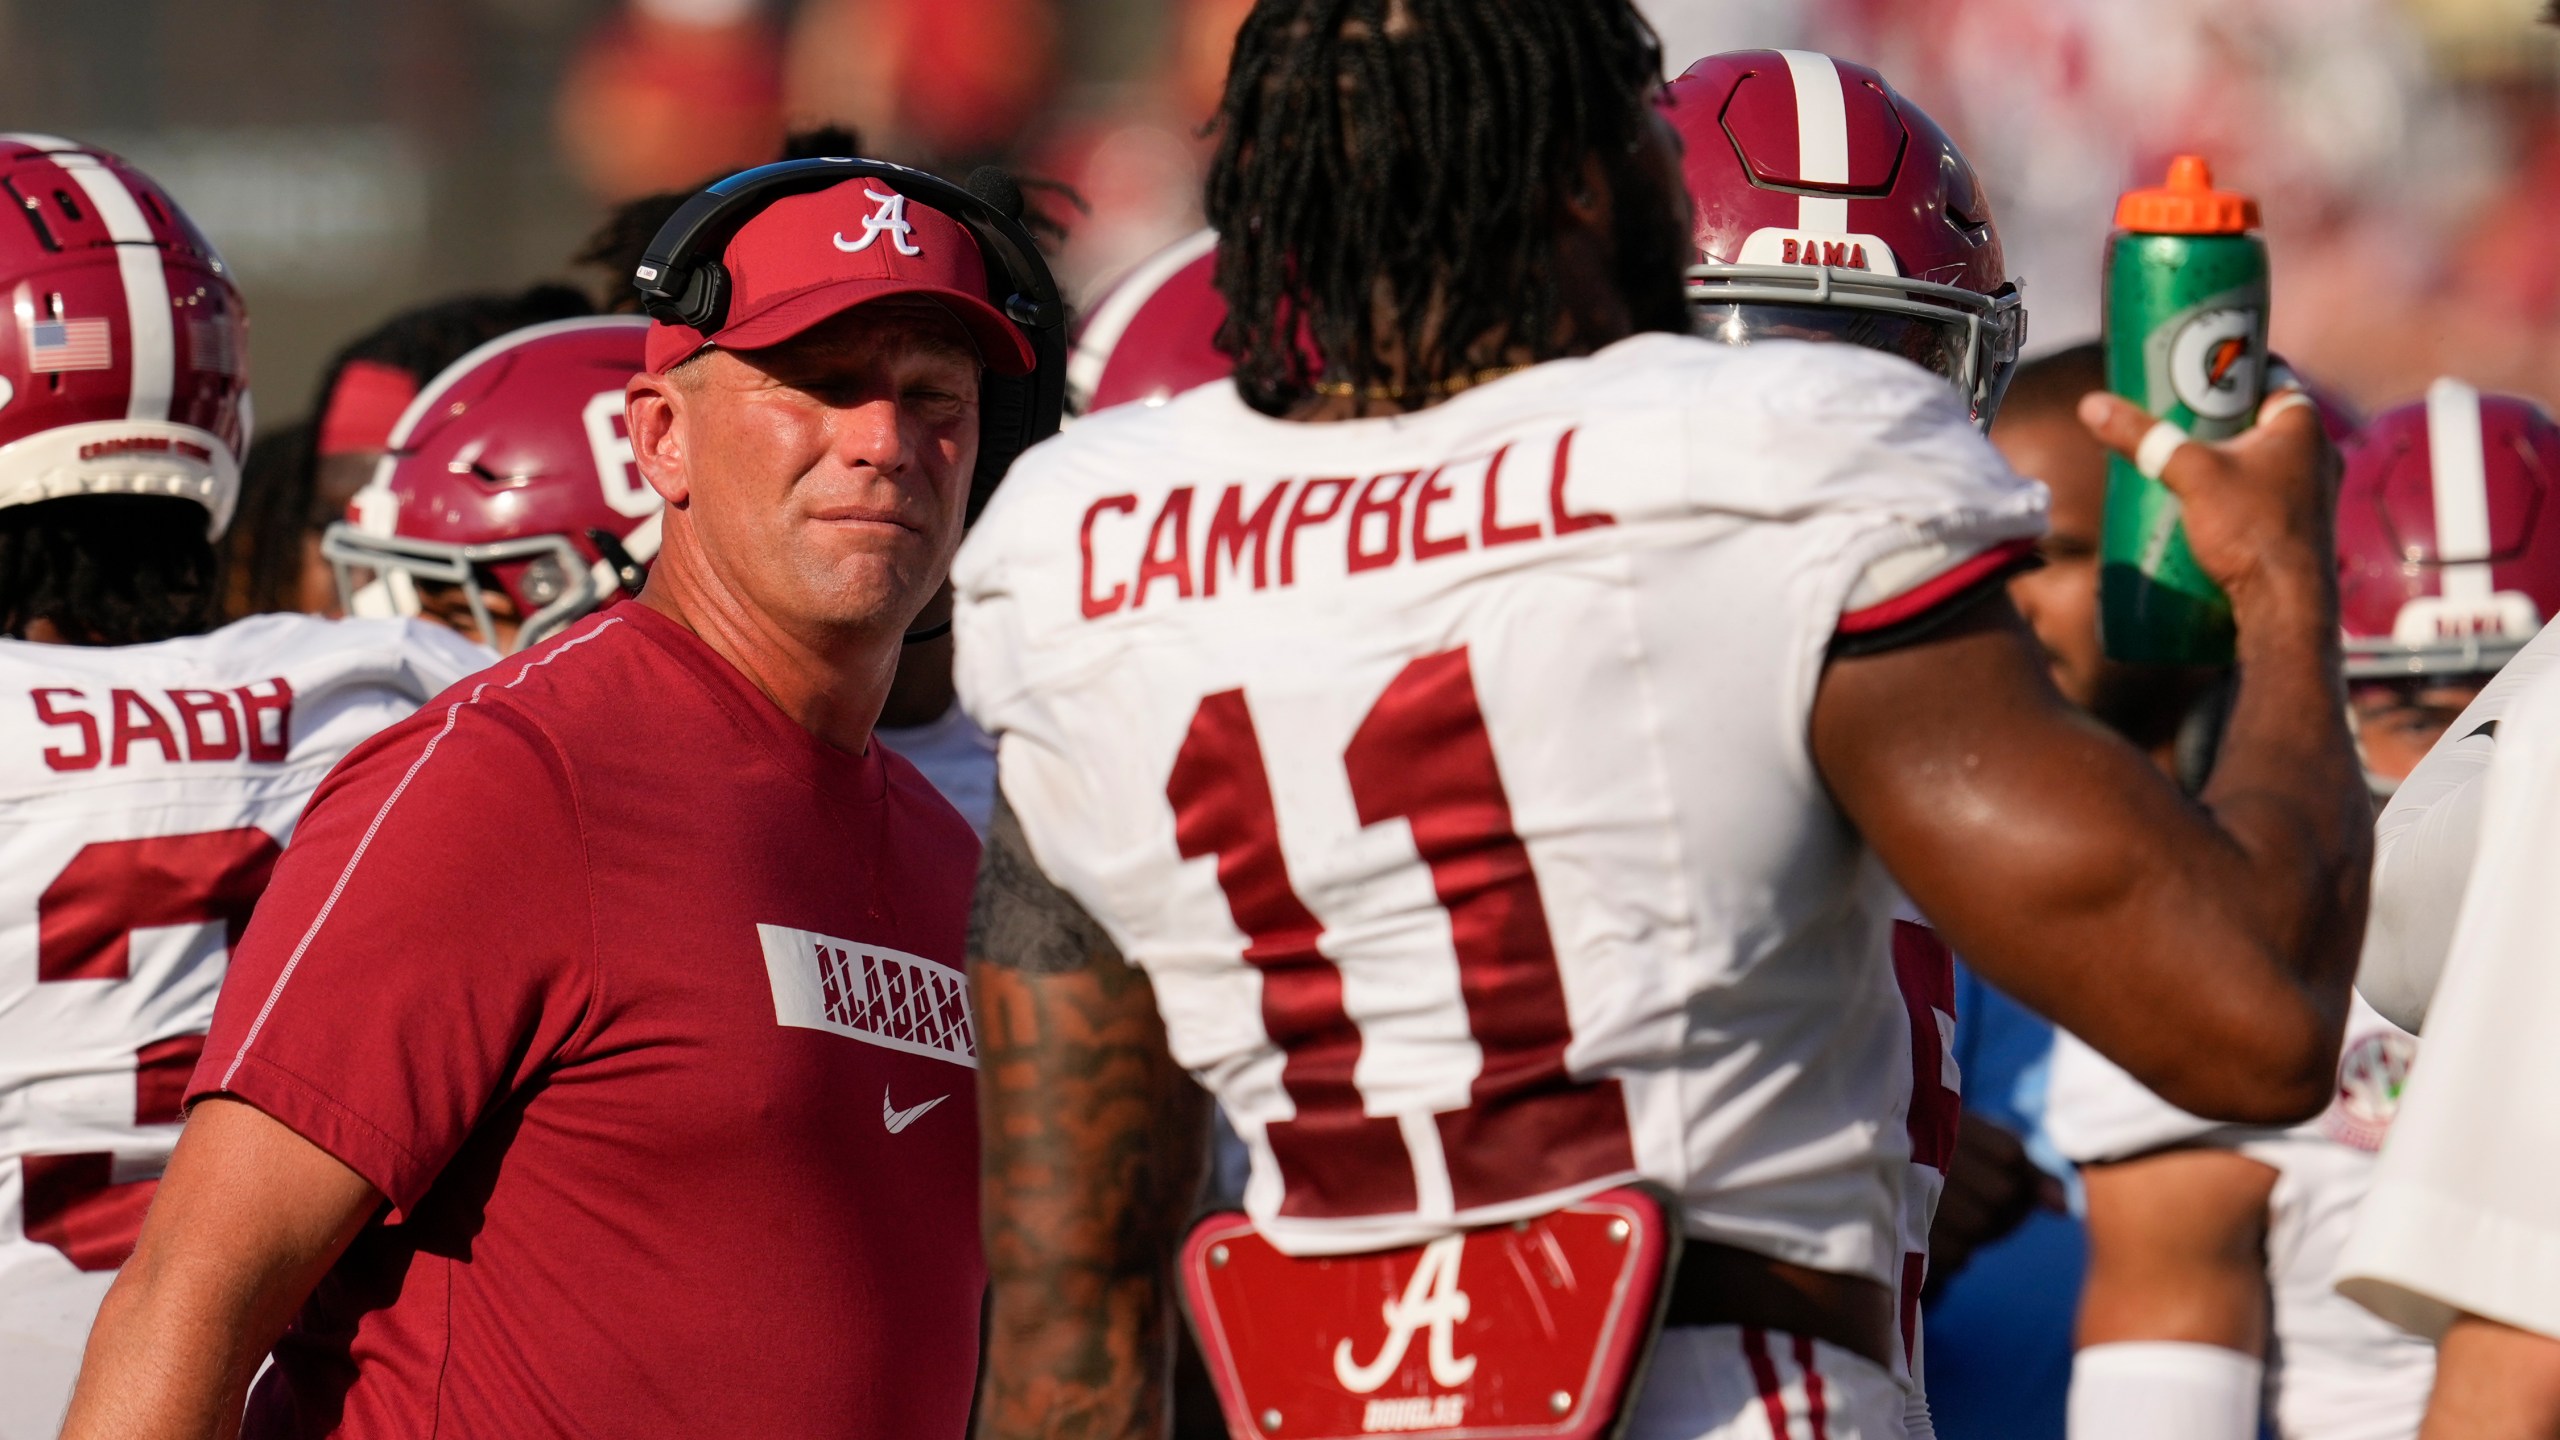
653, 407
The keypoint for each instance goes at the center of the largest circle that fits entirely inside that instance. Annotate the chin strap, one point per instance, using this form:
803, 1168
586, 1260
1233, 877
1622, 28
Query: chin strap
625, 567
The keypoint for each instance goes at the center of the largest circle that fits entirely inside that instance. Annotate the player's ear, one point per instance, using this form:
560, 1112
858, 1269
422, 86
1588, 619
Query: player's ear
653, 407
1585, 202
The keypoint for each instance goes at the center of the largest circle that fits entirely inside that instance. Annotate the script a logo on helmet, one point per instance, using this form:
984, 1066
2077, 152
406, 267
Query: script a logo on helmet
890, 220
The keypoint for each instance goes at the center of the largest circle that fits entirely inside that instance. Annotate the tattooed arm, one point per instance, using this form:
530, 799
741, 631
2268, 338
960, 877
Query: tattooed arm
1093, 1143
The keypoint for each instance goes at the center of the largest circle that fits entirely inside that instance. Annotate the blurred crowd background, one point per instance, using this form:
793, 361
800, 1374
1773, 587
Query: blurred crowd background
357, 160
352, 160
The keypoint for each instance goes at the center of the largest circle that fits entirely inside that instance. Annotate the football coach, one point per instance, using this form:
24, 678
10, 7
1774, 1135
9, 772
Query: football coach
599, 1061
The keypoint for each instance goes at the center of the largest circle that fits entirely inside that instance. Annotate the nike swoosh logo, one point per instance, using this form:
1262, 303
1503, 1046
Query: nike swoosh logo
2489, 729
896, 1119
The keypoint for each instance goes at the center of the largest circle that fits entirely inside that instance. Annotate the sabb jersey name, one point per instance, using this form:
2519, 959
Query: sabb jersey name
1447, 774
146, 792
116, 725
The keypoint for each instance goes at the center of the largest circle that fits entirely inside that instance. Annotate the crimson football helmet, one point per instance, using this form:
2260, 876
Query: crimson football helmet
1154, 335
124, 370
511, 470
2448, 535
1828, 207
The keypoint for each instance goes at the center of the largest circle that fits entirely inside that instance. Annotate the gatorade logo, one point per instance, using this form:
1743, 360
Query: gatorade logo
2214, 364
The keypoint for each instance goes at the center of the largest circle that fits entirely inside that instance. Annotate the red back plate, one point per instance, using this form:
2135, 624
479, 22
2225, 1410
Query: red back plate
1536, 1330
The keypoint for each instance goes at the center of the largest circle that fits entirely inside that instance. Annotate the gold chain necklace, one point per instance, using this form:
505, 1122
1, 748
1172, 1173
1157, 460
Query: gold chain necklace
1345, 390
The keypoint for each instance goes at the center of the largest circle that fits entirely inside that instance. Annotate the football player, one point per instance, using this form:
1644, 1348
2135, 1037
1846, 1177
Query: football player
1479, 723
1151, 338
2214, 1249
2449, 549
2169, 713
291, 499
507, 506
2424, 844
153, 764
2455, 1239
1918, 272
2432, 1251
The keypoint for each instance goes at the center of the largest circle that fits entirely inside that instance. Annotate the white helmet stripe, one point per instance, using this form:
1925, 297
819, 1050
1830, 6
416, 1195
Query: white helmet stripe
430, 396
149, 319
2458, 458
1822, 139
40, 142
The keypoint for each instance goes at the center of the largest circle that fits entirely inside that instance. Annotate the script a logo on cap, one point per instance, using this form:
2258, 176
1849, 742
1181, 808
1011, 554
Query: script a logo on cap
890, 220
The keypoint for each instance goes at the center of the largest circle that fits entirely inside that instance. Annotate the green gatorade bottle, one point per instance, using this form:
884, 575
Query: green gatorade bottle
2186, 339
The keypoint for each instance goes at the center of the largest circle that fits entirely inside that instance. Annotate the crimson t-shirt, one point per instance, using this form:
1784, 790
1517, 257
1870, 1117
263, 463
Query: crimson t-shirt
645, 1008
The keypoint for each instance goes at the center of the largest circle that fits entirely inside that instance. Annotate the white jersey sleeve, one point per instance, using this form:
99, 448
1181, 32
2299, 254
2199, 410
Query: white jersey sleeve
2097, 1113
2423, 846
1448, 774
145, 792
1929, 1101
2462, 1215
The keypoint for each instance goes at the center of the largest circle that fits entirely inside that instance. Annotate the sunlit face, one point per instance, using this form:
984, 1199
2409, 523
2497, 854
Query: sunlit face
2398, 721
450, 606
2146, 704
825, 479
2060, 601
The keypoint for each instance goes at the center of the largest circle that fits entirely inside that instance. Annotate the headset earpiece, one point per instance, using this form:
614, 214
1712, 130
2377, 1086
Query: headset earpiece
704, 301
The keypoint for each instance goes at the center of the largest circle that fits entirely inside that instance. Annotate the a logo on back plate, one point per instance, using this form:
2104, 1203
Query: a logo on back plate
1433, 1302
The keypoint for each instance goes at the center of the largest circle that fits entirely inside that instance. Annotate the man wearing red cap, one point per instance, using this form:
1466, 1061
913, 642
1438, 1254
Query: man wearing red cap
658, 1118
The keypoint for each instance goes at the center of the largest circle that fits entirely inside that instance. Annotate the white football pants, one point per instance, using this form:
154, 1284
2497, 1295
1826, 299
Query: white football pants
1734, 1382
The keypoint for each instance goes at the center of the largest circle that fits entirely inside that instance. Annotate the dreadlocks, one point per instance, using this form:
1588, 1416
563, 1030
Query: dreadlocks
107, 569
1388, 174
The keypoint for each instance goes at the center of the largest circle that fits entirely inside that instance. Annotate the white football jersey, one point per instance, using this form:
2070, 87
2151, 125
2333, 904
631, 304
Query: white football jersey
1449, 776
1929, 1101
2334, 1368
145, 792
2461, 1216
2427, 841
2096, 1112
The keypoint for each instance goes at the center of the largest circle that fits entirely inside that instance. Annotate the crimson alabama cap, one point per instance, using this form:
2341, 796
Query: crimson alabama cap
806, 259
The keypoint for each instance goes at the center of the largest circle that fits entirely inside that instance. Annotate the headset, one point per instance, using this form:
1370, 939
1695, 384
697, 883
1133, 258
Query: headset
682, 282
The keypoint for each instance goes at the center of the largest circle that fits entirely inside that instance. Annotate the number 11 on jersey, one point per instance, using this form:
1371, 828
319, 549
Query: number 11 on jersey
1422, 755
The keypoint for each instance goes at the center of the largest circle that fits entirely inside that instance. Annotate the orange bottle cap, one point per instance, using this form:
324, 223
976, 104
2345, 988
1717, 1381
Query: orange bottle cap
2187, 205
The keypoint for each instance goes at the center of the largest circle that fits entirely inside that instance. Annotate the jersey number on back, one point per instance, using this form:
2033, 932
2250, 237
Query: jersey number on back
84, 926
1422, 756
